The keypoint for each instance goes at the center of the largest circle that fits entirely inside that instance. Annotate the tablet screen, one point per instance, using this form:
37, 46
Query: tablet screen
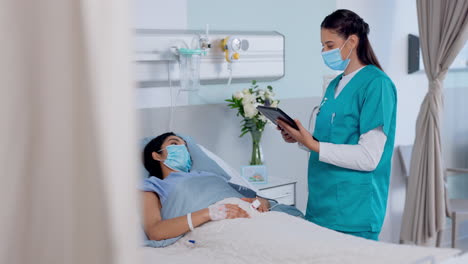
274, 113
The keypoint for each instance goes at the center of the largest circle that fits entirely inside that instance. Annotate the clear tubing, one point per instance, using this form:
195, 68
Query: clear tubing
230, 73
171, 113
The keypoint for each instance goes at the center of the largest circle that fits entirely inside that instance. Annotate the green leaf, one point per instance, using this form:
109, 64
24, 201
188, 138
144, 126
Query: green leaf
254, 82
241, 135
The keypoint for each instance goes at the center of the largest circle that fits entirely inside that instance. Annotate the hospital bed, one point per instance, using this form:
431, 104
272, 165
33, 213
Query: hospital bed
276, 237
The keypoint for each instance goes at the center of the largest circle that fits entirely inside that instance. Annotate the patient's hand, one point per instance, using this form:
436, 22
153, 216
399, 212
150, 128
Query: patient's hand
264, 204
226, 211
234, 211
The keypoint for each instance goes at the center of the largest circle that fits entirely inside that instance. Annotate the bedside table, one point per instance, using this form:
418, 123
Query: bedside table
281, 190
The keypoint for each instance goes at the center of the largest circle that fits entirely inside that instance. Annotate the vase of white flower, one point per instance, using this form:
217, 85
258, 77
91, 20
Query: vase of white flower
253, 122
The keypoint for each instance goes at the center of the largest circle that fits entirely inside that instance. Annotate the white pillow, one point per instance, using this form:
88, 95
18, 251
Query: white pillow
236, 178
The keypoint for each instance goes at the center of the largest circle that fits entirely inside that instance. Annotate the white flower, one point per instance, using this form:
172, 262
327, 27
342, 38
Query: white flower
263, 118
248, 99
250, 110
246, 91
274, 103
269, 95
261, 94
238, 95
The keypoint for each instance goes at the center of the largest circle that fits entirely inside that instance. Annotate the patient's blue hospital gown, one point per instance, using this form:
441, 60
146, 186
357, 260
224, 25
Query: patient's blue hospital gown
164, 187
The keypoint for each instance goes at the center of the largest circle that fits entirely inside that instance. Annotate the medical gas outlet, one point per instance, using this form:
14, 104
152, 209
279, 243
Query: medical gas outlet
231, 47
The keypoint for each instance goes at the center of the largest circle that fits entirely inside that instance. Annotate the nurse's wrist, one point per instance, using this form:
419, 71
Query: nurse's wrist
316, 146
313, 145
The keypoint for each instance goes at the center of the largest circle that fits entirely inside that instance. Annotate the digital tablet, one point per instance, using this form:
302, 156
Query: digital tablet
274, 113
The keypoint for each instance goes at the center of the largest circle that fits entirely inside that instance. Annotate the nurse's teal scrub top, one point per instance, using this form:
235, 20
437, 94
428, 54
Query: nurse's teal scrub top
344, 199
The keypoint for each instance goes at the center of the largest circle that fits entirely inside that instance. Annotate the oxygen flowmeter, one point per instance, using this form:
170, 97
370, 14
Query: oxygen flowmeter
232, 46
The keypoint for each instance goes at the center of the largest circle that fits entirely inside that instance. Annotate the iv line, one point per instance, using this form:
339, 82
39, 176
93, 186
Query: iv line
230, 73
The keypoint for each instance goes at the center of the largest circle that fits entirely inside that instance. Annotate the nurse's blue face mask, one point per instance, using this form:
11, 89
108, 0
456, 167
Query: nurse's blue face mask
333, 60
178, 158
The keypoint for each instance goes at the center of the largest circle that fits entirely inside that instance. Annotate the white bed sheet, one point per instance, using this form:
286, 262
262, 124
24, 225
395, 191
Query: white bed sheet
275, 237
462, 259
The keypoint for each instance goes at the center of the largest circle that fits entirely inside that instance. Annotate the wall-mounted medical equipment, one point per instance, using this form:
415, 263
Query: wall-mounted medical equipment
189, 61
232, 46
256, 55
189, 68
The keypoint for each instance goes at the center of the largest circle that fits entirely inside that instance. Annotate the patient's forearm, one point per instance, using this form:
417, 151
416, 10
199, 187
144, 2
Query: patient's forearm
174, 227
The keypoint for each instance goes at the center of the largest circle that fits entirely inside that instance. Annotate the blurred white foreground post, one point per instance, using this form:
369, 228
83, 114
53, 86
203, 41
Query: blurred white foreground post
68, 130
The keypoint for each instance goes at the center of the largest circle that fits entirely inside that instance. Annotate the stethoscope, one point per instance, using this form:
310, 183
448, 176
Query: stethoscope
318, 111
315, 112
321, 104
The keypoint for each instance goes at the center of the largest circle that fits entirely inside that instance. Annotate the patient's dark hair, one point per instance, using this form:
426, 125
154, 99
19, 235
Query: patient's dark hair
346, 23
151, 165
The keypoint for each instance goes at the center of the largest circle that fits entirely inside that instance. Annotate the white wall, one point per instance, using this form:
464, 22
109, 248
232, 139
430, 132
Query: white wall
455, 142
151, 14
390, 23
160, 14
304, 67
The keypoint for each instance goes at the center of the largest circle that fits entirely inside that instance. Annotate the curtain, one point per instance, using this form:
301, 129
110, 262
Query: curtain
443, 30
68, 133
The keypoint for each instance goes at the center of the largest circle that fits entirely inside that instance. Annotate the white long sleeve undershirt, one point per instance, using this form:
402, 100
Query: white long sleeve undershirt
365, 156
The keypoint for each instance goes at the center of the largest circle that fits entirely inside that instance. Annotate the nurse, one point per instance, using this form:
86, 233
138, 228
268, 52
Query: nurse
352, 144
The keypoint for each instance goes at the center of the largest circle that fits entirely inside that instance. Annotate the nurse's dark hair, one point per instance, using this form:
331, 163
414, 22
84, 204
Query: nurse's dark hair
346, 23
151, 165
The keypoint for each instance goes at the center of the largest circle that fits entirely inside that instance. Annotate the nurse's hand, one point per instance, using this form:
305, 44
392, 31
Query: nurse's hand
286, 136
302, 135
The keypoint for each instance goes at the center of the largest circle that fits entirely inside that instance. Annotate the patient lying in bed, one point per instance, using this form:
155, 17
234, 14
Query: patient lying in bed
177, 199
176, 189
